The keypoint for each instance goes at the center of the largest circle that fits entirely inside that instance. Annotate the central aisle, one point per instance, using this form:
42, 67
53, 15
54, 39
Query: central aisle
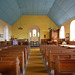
35, 64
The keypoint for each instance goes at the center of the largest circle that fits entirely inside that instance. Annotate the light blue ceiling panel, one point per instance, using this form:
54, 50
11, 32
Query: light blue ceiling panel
15, 6
62, 11
7, 20
2, 18
59, 2
10, 1
59, 11
44, 13
48, 6
10, 12
12, 9
68, 6
66, 17
1, 12
24, 9
50, 0
42, 0
71, 12
5, 16
4, 5
62, 19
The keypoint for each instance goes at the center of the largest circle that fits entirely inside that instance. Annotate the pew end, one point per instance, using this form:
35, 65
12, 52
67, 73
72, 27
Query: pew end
10, 67
64, 66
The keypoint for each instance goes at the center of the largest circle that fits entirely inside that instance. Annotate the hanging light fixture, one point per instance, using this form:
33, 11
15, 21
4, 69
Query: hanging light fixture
20, 28
50, 28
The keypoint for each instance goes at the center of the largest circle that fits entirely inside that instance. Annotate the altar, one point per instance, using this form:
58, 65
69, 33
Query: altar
34, 44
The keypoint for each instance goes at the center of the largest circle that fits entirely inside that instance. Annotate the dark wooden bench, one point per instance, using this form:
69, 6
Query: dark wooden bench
9, 67
20, 55
64, 66
56, 49
25, 48
17, 50
52, 57
22, 47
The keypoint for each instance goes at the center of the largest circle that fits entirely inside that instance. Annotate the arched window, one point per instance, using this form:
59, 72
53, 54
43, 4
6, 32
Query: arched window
38, 34
62, 32
72, 31
6, 33
34, 32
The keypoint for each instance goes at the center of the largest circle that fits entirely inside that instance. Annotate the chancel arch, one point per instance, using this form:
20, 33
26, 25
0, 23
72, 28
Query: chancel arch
34, 34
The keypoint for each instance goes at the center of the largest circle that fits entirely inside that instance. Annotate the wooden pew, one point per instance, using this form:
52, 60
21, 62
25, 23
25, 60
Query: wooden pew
9, 43
52, 58
20, 55
17, 50
9, 67
42, 50
64, 66
73, 73
0, 44
4, 43
56, 49
71, 42
43, 53
25, 48
73, 56
62, 53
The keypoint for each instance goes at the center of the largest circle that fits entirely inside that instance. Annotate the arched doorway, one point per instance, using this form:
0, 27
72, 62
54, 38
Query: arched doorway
34, 35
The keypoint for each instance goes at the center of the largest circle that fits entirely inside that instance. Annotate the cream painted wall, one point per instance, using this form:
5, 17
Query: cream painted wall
2, 28
67, 27
43, 22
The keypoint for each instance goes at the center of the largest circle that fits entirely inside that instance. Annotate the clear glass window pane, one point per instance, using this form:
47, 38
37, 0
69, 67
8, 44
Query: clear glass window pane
72, 31
34, 33
62, 33
30, 34
38, 34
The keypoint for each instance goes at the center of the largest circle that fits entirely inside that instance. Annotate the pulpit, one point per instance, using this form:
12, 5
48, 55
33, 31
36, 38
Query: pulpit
54, 35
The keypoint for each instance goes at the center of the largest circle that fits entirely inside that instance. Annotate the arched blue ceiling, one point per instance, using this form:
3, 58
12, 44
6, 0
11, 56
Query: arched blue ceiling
59, 11
10, 9
62, 11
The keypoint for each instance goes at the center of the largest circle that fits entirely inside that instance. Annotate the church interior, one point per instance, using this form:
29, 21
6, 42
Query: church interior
37, 37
